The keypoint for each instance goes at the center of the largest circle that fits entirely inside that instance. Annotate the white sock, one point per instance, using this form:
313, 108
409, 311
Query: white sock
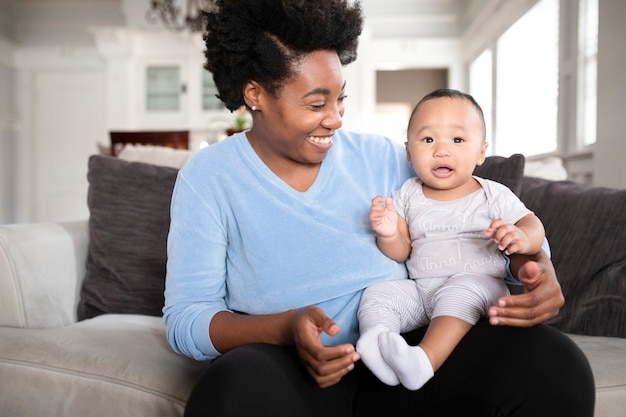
367, 346
411, 364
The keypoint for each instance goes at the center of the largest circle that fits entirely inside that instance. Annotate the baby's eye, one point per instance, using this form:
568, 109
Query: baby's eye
427, 140
458, 140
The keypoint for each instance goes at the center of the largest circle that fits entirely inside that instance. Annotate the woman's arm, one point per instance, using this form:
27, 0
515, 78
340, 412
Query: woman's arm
301, 328
230, 330
542, 298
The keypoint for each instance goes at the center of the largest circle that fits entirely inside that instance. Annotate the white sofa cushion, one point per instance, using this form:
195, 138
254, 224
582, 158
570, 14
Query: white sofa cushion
112, 365
41, 268
550, 168
157, 155
607, 357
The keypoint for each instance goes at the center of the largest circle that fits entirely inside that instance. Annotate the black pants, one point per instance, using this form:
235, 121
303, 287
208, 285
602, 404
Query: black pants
494, 371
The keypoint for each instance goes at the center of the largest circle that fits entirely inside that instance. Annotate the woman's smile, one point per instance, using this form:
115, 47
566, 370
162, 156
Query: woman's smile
322, 142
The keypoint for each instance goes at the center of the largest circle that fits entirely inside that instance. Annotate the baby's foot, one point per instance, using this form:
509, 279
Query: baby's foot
410, 363
367, 346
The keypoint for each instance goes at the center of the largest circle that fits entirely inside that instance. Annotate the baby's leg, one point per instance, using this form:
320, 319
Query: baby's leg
457, 305
389, 306
415, 365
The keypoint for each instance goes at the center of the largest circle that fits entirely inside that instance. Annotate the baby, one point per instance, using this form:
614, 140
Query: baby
451, 229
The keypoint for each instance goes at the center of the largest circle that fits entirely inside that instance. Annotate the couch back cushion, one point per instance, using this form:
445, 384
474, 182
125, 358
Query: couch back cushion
585, 226
128, 225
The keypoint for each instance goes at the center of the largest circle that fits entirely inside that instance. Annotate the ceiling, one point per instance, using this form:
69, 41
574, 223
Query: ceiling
417, 18
41, 22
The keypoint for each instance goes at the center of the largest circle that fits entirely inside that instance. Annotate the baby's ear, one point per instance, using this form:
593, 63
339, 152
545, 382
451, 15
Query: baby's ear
483, 154
408, 153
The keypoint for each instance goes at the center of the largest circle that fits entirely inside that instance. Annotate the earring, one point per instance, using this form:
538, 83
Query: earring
253, 108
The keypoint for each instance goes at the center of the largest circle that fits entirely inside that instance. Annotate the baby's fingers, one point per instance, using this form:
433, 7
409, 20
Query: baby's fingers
496, 224
389, 204
378, 200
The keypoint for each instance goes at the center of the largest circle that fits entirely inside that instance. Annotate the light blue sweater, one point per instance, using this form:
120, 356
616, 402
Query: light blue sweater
243, 240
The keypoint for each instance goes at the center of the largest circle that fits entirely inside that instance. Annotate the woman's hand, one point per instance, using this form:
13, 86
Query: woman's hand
302, 328
327, 365
542, 298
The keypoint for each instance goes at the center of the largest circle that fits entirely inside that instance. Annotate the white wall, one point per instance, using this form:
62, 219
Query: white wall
610, 150
394, 54
61, 107
8, 129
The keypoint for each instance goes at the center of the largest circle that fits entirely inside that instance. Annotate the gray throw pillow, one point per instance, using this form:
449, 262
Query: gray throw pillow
508, 171
129, 220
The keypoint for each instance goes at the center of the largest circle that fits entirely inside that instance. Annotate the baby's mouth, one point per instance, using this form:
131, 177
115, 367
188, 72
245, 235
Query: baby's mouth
442, 170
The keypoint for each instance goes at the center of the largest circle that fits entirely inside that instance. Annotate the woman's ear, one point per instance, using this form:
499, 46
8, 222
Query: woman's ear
252, 94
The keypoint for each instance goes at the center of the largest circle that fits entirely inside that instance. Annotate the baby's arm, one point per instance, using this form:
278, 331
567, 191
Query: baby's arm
524, 237
392, 232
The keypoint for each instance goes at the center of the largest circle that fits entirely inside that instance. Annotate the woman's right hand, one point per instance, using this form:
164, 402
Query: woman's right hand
327, 365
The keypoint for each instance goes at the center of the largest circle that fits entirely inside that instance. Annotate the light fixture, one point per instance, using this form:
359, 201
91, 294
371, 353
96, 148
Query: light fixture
172, 17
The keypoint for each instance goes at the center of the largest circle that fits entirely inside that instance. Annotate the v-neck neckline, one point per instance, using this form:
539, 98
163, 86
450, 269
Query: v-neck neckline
263, 169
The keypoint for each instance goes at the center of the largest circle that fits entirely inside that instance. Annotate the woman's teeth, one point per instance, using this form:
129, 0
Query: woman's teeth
321, 140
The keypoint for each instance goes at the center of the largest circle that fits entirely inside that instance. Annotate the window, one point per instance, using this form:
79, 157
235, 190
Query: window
588, 71
480, 80
527, 82
209, 92
162, 88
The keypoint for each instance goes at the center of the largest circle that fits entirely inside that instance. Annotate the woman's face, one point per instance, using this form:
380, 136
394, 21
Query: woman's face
297, 126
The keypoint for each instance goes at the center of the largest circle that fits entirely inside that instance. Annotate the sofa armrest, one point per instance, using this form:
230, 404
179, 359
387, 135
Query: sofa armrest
42, 266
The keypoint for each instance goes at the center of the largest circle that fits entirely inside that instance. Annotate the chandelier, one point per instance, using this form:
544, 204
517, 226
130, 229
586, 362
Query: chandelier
173, 17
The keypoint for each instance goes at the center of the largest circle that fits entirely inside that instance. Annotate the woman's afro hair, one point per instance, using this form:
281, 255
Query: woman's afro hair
262, 40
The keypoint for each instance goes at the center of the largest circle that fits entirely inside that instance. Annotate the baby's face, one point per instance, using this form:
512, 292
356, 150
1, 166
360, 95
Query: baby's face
446, 140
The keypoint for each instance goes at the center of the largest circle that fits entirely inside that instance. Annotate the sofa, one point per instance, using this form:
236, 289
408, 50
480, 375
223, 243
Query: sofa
81, 332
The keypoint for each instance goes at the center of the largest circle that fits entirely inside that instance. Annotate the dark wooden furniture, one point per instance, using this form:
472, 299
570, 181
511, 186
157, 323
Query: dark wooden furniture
177, 139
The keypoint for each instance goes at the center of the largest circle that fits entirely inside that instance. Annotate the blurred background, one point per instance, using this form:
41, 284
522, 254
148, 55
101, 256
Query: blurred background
549, 74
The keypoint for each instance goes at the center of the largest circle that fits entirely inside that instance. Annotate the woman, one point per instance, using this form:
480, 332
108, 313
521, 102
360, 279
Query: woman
270, 247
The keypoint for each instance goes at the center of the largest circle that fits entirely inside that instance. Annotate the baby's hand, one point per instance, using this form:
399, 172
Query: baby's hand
510, 238
383, 217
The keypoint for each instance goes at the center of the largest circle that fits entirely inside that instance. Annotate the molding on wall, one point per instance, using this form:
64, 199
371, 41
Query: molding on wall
60, 57
7, 52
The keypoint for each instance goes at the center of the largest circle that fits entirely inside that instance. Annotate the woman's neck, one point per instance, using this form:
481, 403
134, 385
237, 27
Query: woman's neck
298, 175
